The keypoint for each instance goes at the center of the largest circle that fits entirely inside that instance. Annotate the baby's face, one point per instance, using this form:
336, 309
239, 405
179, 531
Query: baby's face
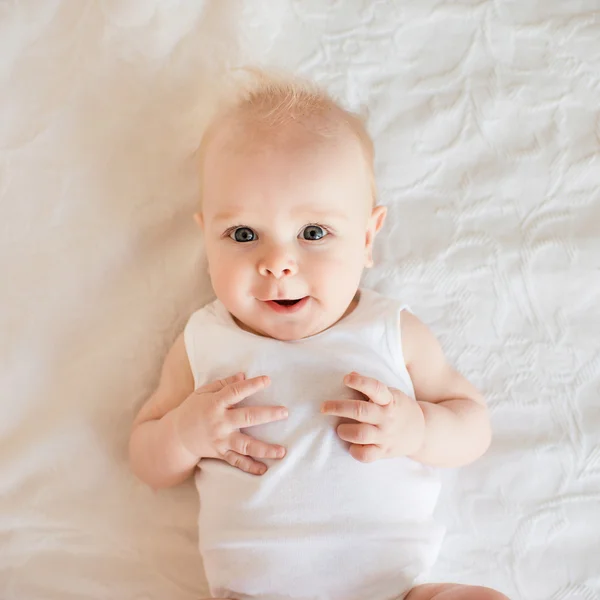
288, 231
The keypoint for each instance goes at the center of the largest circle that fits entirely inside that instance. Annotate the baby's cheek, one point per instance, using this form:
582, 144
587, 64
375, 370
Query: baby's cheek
226, 283
341, 272
330, 262
223, 267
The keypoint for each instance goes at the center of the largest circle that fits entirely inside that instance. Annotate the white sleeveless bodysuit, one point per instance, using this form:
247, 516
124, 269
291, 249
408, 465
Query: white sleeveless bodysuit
319, 525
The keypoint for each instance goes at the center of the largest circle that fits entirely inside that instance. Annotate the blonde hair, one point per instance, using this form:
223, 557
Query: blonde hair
265, 103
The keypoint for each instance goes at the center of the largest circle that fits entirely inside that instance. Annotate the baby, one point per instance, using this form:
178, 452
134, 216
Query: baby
313, 413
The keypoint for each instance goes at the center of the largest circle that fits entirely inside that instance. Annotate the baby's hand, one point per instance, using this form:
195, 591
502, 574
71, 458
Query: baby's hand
208, 426
390, 424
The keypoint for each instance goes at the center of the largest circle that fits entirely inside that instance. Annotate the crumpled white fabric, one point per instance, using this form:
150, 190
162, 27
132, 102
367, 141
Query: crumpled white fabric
487, 124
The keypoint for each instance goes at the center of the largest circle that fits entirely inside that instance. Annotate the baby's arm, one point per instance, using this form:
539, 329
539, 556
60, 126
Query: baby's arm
457, 426
156, 454
180, 425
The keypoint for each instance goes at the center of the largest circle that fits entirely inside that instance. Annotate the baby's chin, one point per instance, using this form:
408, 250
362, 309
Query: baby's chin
284, 332
279, 328
291, 336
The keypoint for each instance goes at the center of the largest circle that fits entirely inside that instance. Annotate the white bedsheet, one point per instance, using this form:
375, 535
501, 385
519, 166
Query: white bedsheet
487, 123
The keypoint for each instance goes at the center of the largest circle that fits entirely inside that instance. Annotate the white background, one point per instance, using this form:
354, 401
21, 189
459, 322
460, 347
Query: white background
487, 124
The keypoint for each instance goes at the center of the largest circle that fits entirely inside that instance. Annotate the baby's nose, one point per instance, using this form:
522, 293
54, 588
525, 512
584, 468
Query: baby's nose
277, 264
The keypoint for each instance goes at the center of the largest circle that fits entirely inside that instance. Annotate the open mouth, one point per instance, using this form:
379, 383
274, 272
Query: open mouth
287, 302
287, 306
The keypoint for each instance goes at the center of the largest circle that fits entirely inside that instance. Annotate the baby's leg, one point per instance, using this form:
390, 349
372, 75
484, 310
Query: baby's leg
453, 591
445, 591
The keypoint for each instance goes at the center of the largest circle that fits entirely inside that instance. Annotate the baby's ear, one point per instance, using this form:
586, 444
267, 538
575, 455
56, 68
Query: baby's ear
199, 220
376, 221
378, 217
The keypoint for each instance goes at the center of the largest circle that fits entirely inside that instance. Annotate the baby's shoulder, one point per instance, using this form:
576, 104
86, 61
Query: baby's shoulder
206, 322
380, 303
203, 314
404, 328
387, 310
210, 332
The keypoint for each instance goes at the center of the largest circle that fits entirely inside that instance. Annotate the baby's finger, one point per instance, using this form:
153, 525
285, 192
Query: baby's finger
372, 388
249, 446
359, 410
359, 433
219, 384
248, 416
233, 379
365, 454
245, 463
239, 390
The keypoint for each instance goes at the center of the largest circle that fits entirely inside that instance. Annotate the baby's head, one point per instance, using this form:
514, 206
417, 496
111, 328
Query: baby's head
288, 208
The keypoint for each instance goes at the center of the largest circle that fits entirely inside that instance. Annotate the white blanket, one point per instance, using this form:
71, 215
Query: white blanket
487, 123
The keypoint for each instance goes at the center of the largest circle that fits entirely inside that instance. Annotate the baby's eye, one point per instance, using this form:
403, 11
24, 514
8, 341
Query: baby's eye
243, 234
313, 232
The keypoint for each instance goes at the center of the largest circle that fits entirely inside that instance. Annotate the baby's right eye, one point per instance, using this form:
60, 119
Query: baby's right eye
243, 234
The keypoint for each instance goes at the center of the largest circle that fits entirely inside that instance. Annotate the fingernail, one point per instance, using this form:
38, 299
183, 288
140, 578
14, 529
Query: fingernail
262, 470
280, 452
323, 408
283, 413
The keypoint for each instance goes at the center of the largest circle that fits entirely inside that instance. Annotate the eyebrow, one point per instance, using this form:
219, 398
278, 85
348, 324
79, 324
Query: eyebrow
226, 216
328, 214
318, 214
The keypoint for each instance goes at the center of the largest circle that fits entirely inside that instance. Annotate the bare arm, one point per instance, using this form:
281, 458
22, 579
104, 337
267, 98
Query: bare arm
179, 425
457, 425
156, 454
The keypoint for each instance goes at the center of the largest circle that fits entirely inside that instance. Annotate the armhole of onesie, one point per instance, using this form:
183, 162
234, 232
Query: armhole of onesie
394, 341
189, 340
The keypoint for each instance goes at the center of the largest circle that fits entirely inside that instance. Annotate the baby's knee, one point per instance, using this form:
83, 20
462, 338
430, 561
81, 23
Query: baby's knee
481, 593
454, 591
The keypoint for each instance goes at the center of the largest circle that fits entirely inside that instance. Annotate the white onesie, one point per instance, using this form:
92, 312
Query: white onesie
318, 524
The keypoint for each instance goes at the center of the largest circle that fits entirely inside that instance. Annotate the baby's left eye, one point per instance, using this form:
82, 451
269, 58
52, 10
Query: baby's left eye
313, 233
